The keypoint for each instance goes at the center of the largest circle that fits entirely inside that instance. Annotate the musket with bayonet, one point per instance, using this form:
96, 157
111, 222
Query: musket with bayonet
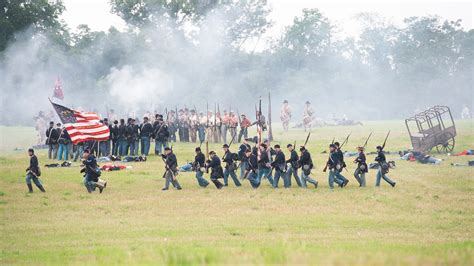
367, 140
385, 141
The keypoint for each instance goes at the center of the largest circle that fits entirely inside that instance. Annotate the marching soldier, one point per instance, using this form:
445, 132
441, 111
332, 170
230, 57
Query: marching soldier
264, 166
199, 167
91, 173
341, 164
293, 163
33, 172
243, 160
171, 169
332, 165
52, 137
361, 169
308, 116
244, 125
202, 127
279, 164
306, 165
230, 166
251, 168
285, 115
383, 168
216, 169
193, 125
146, 131
161, 134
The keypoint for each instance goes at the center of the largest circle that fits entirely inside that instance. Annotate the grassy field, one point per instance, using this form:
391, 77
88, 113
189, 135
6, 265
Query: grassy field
427, 219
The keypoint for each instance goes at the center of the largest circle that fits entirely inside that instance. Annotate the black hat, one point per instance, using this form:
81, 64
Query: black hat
129, 119
51, 122
106, 119
379, 147
212, 152
167, 149
337, 144
145, 118
289, 145
225, 146
248, 150
87, 150
58, 124
122, 120
197, 149
285, 101
115, 122
276, 146
332, 146
31, 150
263, 145
302, 148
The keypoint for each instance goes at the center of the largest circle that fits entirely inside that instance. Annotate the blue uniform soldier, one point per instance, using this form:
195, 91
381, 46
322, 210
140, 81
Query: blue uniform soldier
122, 138
91, 173
293, 166
161, 134
199, 167
332, 164
230, 166
383, 168
33, 172
171, 167
306, 165
243, 159
361, 169
279, 165
216, 169
251, 168
146, 130
264, 165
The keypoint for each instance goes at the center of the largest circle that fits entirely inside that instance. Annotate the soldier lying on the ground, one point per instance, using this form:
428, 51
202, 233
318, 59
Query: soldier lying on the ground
419, 157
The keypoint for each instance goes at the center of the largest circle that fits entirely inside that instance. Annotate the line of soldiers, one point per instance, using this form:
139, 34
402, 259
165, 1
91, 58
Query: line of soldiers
264, 162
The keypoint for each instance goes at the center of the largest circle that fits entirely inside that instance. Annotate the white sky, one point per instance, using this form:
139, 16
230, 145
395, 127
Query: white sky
96, 13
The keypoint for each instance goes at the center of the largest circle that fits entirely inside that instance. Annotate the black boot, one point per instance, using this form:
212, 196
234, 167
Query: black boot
41, 188
30, 188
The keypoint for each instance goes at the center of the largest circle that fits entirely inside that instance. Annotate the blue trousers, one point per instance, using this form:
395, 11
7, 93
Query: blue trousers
79, 151
276, 179
35, 179
293, 172
332, 178
234, 177
253, 179
380, 175
115, 147
89, 183
63, 149
131, 144
264, 172
104, 148
145, 142
306, 178
243, 166
159, 146
201, 181
202, 134
123, 147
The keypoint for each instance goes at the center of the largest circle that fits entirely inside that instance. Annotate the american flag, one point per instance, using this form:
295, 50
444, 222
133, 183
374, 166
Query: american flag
82, 126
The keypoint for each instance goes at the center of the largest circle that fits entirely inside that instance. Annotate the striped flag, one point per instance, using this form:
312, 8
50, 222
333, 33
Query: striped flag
82, 126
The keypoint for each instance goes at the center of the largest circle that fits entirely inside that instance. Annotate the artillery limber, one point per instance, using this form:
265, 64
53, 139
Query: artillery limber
431, 128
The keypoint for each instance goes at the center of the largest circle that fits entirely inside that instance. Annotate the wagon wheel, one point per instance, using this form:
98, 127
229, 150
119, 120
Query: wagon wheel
448, 145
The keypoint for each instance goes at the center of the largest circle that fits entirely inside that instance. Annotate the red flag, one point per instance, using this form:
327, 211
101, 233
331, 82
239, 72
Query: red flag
58, 90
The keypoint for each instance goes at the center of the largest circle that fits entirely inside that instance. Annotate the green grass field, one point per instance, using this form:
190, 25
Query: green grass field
427, 219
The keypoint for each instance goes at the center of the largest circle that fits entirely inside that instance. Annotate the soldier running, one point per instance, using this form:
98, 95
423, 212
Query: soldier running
33, 172
361, 169
230, 166
171, 169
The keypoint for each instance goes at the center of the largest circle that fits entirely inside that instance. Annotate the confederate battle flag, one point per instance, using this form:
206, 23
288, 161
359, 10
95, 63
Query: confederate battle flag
58, 89
82, 126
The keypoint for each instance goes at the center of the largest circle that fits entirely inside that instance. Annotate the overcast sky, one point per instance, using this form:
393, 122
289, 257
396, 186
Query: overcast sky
96, 13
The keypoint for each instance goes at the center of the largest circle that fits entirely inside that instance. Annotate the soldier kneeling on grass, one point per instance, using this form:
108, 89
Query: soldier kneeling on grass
33, 172
92, 173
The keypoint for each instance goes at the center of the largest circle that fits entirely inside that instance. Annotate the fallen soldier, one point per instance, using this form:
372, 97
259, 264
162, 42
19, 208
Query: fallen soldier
465, 152
141, 158
419, 157
470, 163
54, 165
112, 167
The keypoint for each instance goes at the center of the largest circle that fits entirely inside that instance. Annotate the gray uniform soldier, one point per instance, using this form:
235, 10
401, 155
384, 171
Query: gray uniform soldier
33, 172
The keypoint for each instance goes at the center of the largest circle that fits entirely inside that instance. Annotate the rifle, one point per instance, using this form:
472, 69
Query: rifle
334, 138
307, 138
385, 141
207, 115
345, 141
367, 140
207, 155
270, 132
220, 122
168, 170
